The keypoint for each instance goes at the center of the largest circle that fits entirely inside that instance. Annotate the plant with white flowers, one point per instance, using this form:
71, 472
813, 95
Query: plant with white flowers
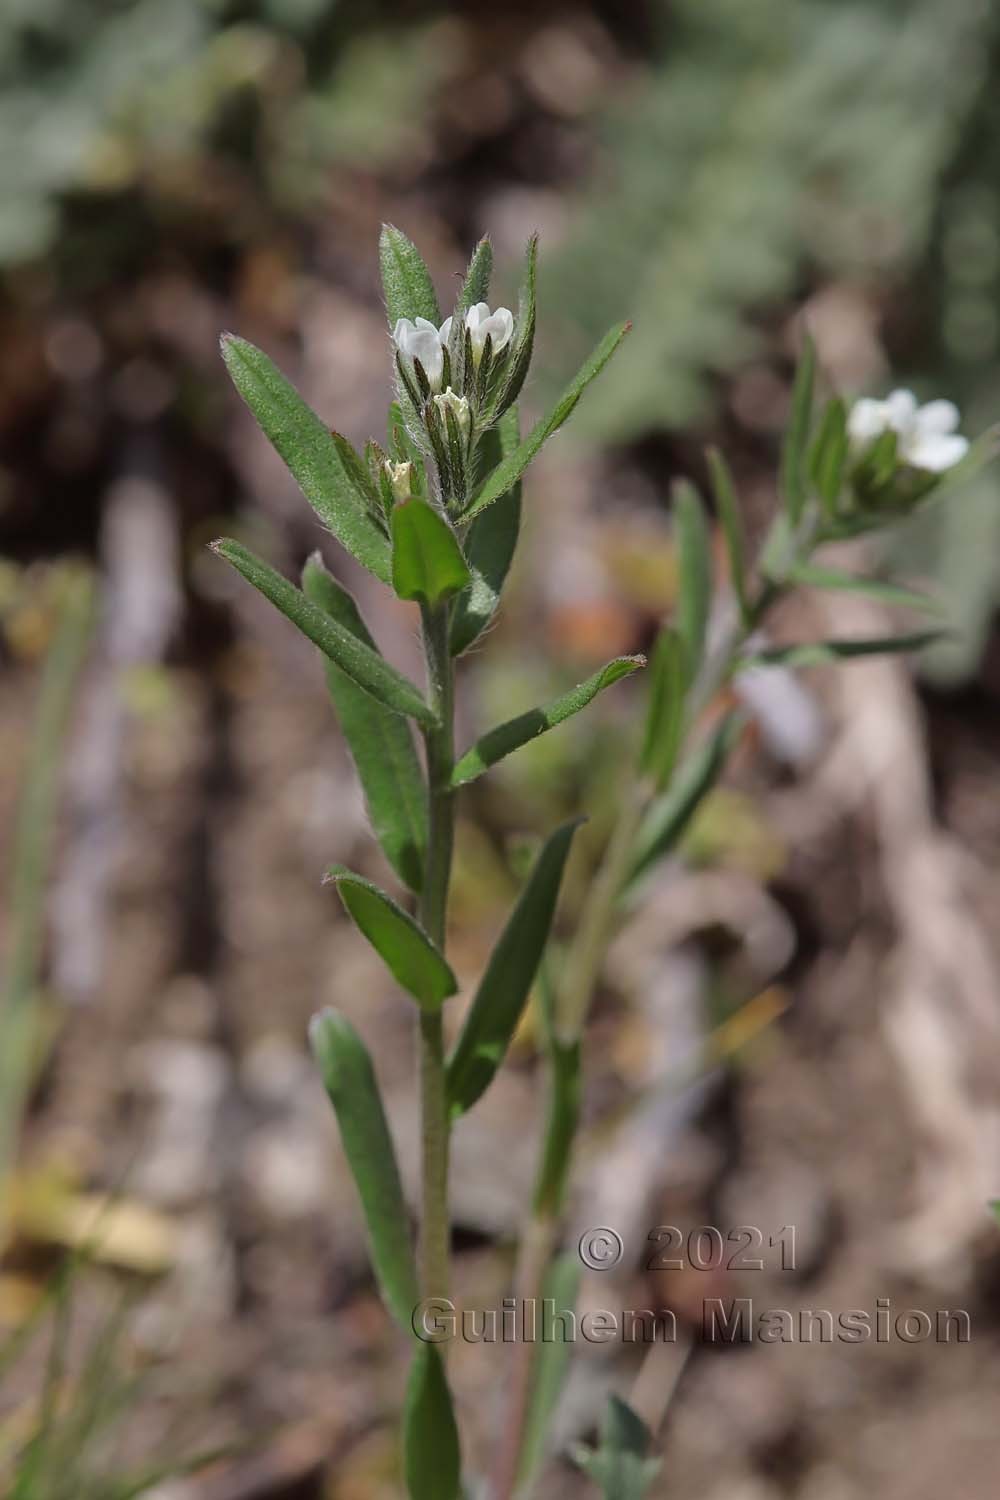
434, 514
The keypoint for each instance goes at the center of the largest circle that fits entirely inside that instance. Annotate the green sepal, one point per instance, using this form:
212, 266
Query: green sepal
508, 737
506, 474
337, 489
432, 1459
694, 561
427, 561
349, 1079
504, 988
794, 465
490, 542
362, 664
665, 712
406, 281
380, 741
407, 952
669, 814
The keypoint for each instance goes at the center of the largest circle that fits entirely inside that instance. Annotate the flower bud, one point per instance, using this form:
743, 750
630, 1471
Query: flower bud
459, 408
399, 476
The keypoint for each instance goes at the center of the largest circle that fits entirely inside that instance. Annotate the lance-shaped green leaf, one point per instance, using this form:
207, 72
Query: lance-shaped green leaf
504, 988
505, 738
363, 665
406, 281
550, 1367
427, 562
333, 484
670, 814
405, 949
519, 357
476, 287
349, 1079
490, 543
431, 1456
380, 741
809, 575
794, 453
620, 1465
694, 559
818, 653
732, 528
666, 682
506, 474
827, 457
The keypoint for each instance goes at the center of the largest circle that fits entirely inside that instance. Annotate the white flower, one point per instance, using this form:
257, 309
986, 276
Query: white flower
926, 434
483, 324
459, 407
399, 478
421, 340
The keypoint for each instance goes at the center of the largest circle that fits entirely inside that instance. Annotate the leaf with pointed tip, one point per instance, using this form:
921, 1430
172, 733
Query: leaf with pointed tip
732, 528
669, 814
818, 653
506, 474
476, 287
794, 466
315, 457
665, 712
405, 949
508, 737
810, 575
504, 988
406, 281
550, 1366
427, 562
827, 457
490, 543
620, 1465
380, 741
349, 1079
694, 558
363, 665
431, 1455
519, 357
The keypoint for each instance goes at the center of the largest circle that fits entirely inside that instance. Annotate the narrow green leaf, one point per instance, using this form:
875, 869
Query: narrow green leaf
509, 472
694, 556
431, 1456
349, 1079
818, 653
550, 1367
670, 814
519, 358
794, 470
620, 1465
562, 1118
490, 543
406, 281
827, 458
665, 711
427, 562
380, 741
476, 287
809, 575
363, 665
732, 528
406, 950
505, 738
314, 456
504, 988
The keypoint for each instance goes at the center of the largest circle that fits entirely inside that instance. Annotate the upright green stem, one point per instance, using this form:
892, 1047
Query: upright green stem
440, 745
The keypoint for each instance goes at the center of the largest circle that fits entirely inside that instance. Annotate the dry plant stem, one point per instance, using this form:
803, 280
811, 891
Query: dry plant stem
440, 746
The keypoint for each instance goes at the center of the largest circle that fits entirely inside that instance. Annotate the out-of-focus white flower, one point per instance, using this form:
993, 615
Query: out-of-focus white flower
483, 324
399, 478
449, 400
422, 340
926, 434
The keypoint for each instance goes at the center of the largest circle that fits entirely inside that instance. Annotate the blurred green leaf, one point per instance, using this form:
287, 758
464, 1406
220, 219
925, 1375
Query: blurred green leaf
335, 489
363, 665
818, 653
794, 466
732, 527
427, 562
506, 738
404, 947
826, 462
665, 708
669, 814
380, 740
504, 988
810, 575
406, 281
620, 1465
694, 558
550, 1366
349, 1079
431, 1457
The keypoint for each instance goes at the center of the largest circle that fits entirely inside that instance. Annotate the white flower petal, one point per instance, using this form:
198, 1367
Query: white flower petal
499, 327
426, 323
934, 451
444, 332
402, 334
937, 417
425, 345
867, 420
901, 408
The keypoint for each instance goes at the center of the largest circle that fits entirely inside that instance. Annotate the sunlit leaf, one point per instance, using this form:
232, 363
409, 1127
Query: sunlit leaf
408, 953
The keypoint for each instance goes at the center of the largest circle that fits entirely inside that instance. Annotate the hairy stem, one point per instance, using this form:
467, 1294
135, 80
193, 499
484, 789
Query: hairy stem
440, 746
